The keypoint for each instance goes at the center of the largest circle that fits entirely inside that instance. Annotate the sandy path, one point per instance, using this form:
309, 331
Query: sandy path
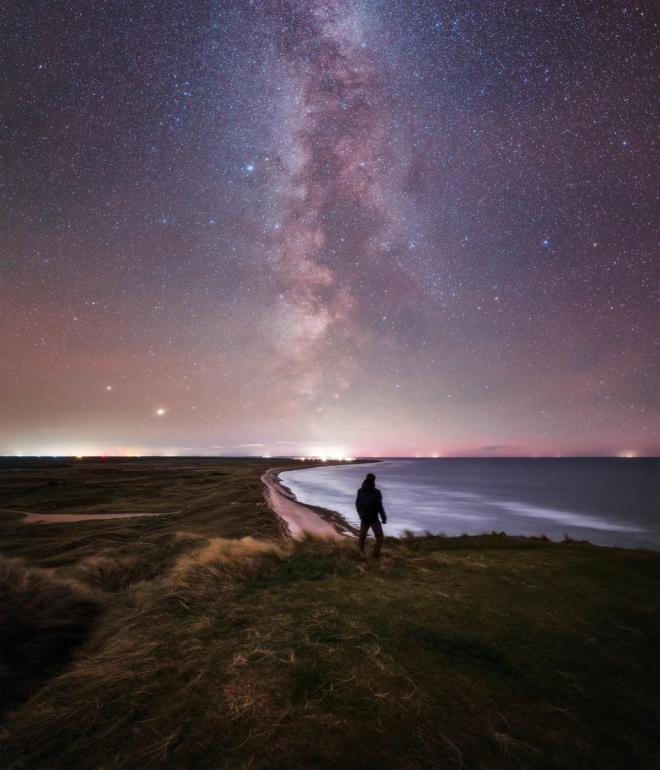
299, 519
59, 518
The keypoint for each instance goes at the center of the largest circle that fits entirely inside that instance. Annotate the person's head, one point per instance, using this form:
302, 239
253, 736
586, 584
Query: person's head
369, 481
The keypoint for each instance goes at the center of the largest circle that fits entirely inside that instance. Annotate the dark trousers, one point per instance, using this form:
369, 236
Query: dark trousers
378, 534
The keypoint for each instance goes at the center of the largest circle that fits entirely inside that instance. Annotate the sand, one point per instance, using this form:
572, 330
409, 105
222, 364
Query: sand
299, 519
63, 518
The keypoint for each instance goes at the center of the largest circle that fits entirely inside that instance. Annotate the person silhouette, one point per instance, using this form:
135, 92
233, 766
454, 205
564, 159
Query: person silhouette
369, 505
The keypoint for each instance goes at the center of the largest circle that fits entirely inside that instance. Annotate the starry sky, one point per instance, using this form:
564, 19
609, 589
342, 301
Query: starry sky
352, 227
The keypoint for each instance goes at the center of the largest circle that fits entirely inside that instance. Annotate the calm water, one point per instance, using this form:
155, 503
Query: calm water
606, 501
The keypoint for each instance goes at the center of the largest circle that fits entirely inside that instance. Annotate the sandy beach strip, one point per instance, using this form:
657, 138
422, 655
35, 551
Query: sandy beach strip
299, 519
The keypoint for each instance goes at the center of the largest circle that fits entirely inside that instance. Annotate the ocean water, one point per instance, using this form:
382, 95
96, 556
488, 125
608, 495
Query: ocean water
609, 501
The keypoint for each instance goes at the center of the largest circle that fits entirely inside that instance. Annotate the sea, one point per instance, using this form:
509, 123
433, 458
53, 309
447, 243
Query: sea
607, 501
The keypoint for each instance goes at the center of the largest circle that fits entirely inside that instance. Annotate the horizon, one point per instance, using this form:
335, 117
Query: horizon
344, 460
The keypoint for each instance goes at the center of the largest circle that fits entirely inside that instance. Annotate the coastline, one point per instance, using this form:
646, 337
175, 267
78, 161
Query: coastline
492, 506
298, 519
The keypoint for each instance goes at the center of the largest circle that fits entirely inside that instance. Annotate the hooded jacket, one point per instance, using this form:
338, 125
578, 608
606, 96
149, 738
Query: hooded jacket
369, 502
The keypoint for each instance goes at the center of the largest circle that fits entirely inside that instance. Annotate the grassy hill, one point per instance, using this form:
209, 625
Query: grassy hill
206, 639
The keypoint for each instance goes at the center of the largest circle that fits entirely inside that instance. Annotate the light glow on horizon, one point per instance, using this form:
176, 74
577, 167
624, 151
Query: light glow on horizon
89, 451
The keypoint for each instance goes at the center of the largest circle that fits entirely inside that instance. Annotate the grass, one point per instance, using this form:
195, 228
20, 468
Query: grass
209, 640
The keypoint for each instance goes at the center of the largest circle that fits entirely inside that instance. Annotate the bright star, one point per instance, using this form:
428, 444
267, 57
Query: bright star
160, 412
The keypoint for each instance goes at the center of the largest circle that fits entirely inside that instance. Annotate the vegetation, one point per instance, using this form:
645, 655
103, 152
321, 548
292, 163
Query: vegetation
207, 639
42, 619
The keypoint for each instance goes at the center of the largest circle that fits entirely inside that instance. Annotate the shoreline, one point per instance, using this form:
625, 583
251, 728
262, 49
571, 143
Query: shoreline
345, 528
300, 519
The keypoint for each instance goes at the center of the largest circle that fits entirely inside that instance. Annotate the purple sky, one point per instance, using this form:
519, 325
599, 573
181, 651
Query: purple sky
330, 227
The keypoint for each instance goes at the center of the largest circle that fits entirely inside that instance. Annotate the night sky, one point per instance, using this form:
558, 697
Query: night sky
388, 227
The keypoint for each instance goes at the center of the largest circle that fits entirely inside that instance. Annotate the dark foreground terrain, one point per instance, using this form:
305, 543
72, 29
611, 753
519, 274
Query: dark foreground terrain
206, 639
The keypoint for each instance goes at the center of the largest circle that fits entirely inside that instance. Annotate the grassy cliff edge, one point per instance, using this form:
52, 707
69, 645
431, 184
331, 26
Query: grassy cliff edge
208, 639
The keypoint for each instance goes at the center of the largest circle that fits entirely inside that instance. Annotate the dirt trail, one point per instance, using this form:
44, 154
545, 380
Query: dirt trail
59, 518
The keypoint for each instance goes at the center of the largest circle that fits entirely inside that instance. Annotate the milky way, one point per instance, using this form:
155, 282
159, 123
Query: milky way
330, 227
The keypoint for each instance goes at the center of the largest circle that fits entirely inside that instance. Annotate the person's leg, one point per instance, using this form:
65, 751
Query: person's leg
378, 532
364, 528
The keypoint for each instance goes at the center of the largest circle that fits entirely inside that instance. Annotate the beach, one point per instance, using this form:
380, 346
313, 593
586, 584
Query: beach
301, 520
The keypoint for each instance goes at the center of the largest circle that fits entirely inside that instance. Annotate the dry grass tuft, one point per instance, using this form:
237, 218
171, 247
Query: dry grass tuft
243, 556
111, 573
